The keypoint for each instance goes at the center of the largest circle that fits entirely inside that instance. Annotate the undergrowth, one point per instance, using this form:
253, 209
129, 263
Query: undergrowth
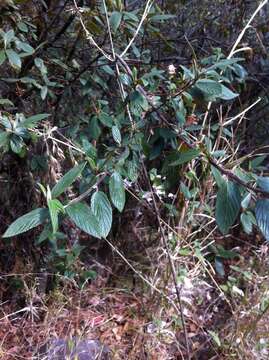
135, 209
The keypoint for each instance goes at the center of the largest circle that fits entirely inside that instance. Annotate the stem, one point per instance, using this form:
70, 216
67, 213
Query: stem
171, 262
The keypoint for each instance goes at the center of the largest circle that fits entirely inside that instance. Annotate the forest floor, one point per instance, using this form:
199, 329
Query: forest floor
135, 322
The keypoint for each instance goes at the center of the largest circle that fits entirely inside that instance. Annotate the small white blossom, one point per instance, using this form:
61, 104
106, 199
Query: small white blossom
171, 69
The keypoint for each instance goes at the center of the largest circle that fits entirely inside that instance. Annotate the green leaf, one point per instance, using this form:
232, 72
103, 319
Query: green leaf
8, 37
6, 102
245, 201
215, 338
46, 232
161, 17
210, 88
32, 120
2, 57
16, 143
115, 20
105, 119
132, 170
27, 222
43, 92
217, 176
227, 94
4, 136
67, 180
25, 47
247, 221
262, 217
55, 207
102, 210
185, 156
117, 191
81, 214
224, 63
257, 162
116, 134
14, 59
94, 128
22, 26
263, 183
228, 205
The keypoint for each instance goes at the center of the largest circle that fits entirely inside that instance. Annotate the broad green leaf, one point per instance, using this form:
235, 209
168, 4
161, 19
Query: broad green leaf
210, 88
14, 59
2, 57
81, 214
161, 17
257, 162
16, 143
116, 134
262, 217
115, 20
6, 102
132, 170
43, 92
45, 233
247, 221
67, 180
227, 94
105, 119
94, 128
185, 156
33, 120
217, 176
117, 191
25, 47
55, 207
245, 202
224, 63
27, 222
215, 338
4, 137
22, 26
102, 210
227, 206
8, 37
263, 183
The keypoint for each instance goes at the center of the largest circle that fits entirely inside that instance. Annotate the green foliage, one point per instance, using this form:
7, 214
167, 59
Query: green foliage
27, 222
227, 206
119, 119
82, 215
117, 191
262, 217
67, 180
102, 211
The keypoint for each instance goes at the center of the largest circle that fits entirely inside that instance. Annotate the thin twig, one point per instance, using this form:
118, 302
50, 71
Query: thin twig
171, 262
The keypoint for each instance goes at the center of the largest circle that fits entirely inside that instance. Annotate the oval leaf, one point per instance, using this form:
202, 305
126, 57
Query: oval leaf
102, 210
27, 222
117, 191
13, 58
54, 208
32, 120
185, 156
115, 20
67, 180
116, 134
228, 205
84, 219
210, 88
262, 217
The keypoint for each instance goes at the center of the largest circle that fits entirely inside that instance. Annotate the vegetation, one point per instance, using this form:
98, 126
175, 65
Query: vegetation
126, 145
